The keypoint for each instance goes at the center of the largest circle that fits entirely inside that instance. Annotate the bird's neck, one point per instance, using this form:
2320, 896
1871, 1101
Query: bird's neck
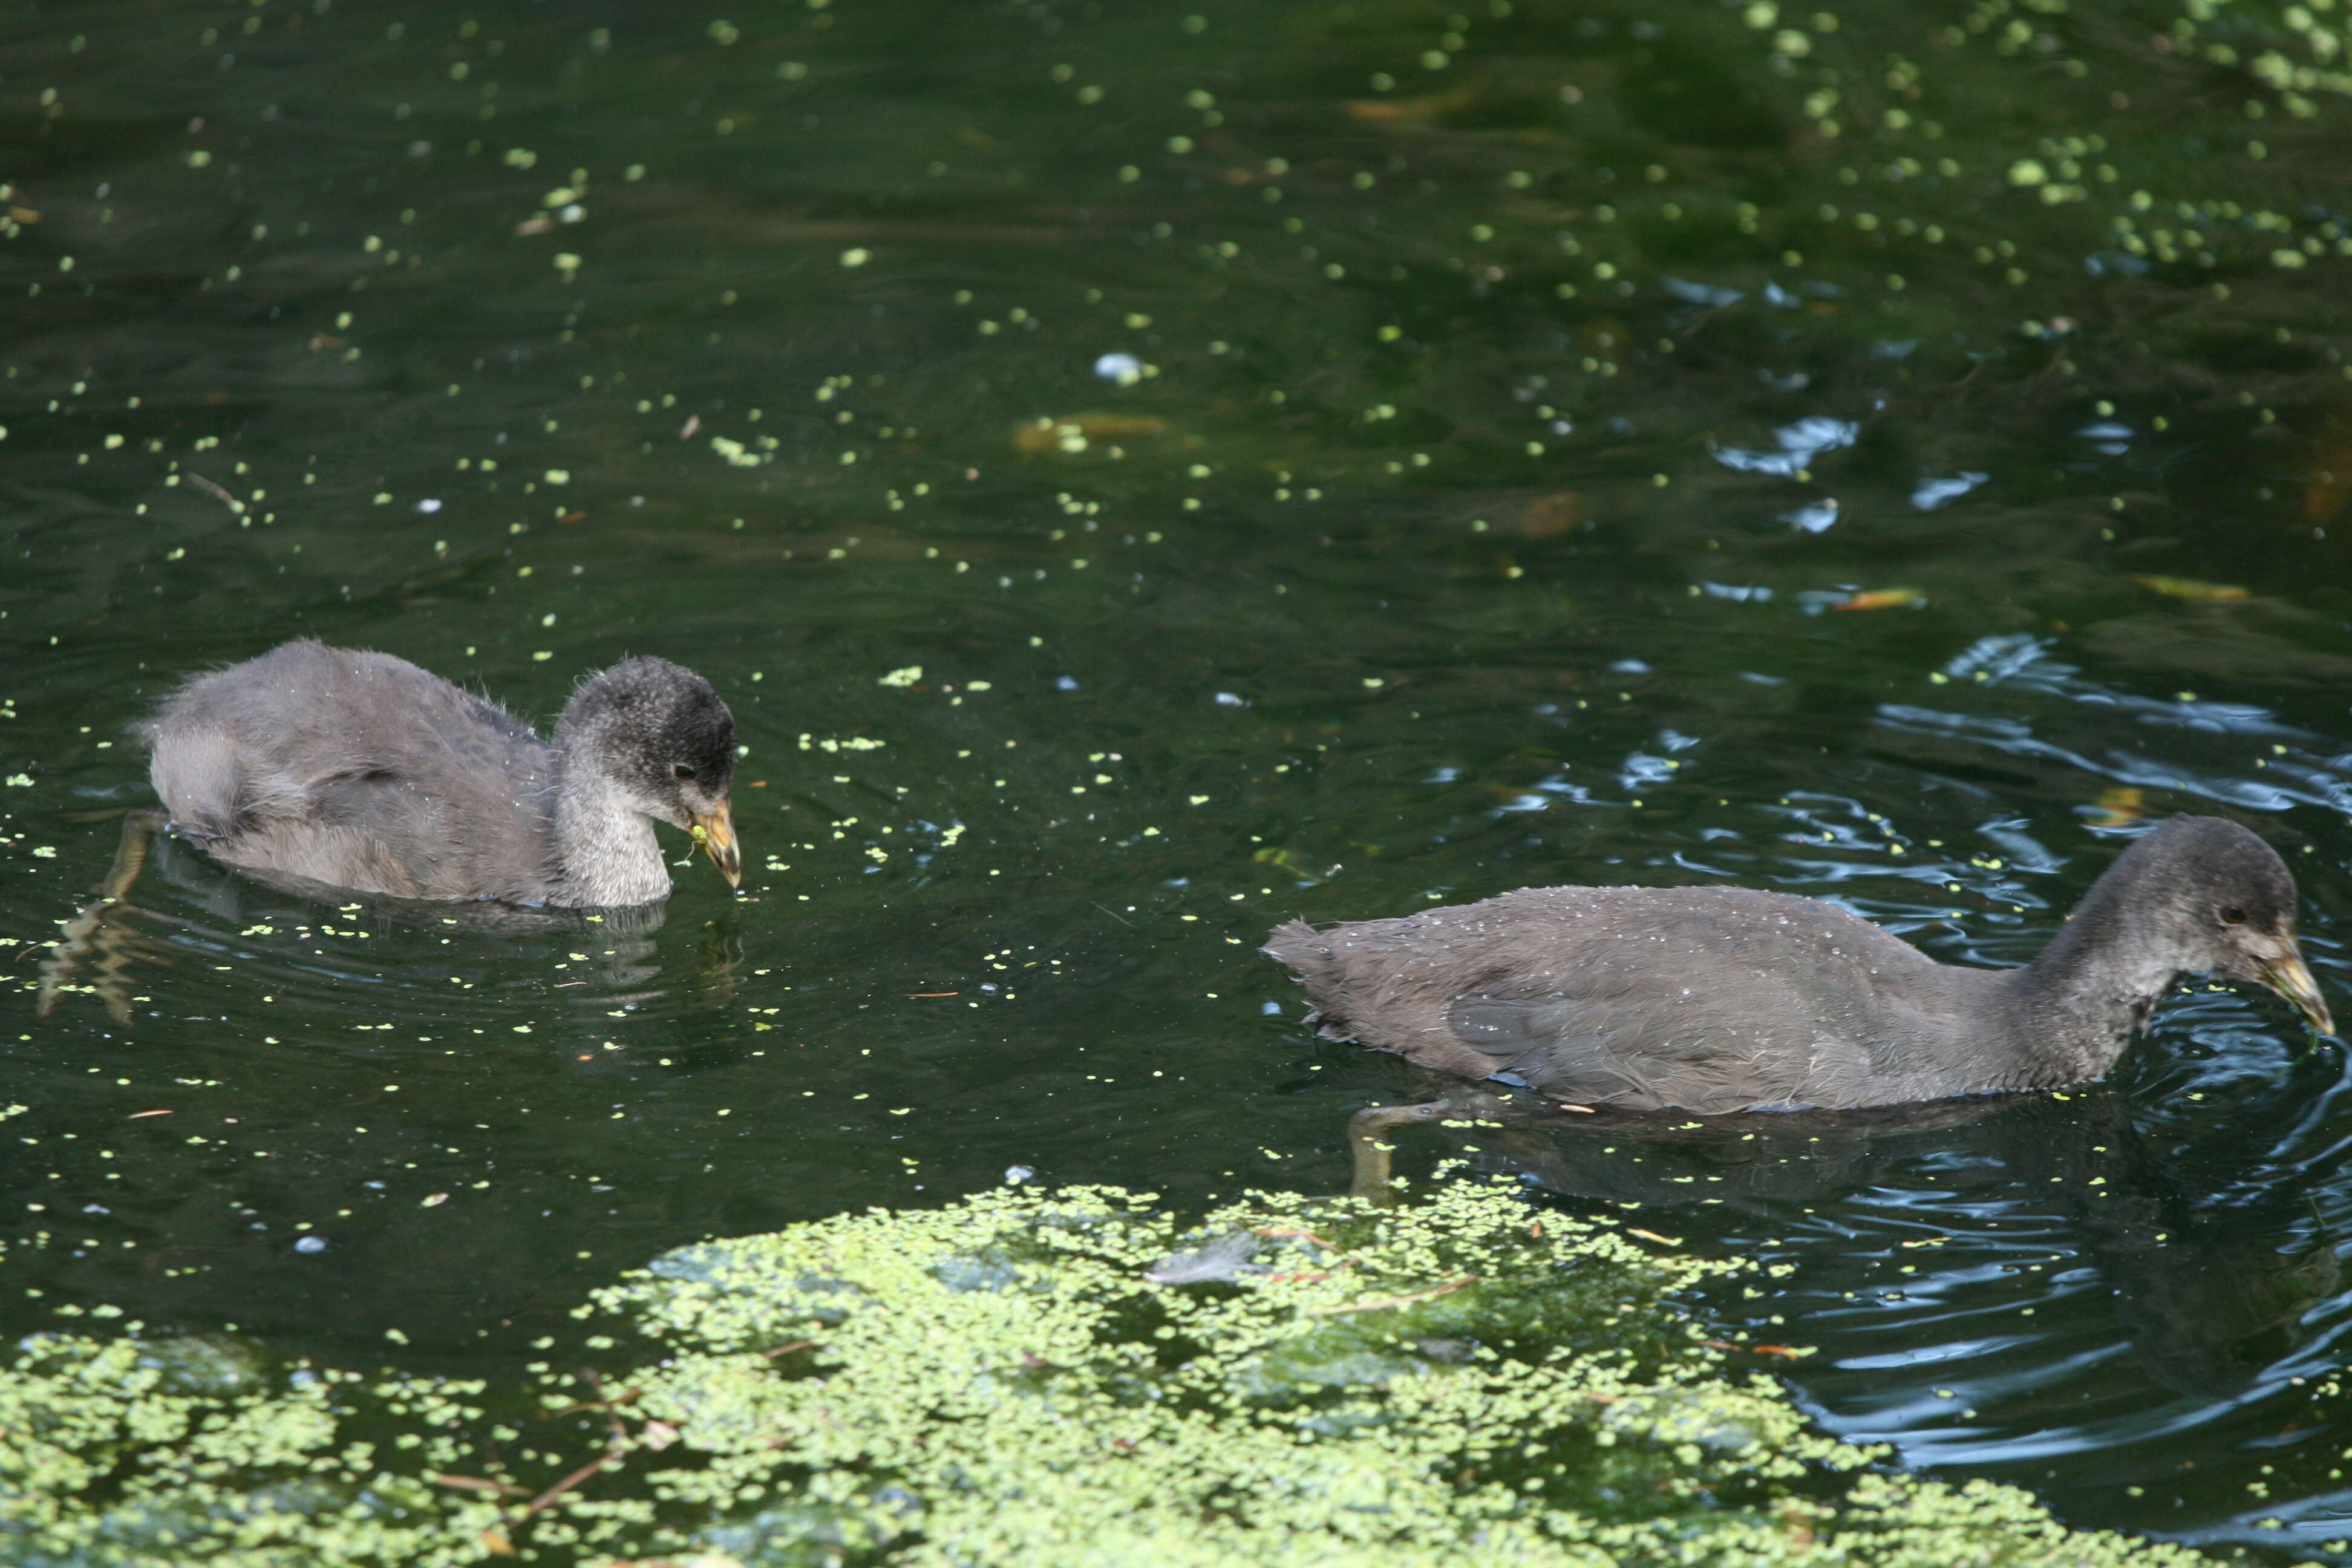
2093, 985
604, 852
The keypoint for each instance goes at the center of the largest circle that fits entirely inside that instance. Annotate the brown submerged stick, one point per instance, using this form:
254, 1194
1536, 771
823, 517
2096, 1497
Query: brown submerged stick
1281, 1232
214, 491
614, 1447
1386, 1302
476, 1484
606, 1401
567, 1483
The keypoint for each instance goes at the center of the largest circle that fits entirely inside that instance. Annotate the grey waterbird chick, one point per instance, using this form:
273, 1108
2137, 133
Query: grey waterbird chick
362, 771
1721, 999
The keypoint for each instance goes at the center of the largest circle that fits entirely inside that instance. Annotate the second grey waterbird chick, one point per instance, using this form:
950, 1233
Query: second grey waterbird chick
362, 771
1720, 999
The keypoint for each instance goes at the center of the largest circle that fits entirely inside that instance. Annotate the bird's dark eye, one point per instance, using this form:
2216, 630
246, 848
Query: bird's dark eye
2233, 916
684, 772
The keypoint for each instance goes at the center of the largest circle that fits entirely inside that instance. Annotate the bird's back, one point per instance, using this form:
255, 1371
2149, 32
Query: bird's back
1704, 998
359, 770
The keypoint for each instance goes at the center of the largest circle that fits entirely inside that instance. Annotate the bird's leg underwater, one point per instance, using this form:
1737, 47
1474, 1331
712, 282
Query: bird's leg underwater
1369, 1156
98, 932
1368, 1153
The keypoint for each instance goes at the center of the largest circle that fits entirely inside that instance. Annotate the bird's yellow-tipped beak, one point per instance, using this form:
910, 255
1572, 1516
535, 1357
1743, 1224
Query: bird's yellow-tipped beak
715, 831
2291, 978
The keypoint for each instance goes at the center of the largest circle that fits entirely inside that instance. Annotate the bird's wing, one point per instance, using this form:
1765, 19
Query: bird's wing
1707, 998
1649, 1040
354, 769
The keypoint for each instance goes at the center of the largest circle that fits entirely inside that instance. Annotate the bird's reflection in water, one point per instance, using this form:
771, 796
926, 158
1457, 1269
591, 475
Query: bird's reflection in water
96, 947
2211, 1296
100, 950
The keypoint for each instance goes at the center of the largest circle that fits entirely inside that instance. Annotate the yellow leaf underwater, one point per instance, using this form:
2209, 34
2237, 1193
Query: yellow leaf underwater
2190, 588
1074, 433
2119, 807
1882, 599
2330, 484
1411, 111
1288, 862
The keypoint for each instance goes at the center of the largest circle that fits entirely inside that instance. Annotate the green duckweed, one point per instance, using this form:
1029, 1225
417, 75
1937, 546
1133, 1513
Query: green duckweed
1003, 1380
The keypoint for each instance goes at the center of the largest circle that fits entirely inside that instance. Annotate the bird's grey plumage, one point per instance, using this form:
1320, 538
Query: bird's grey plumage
1717, 999
360, 770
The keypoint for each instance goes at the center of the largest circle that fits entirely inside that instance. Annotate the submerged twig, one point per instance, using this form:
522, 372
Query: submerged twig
614, 1447
1386, 1302
477, 1484
548, 1497
214, 491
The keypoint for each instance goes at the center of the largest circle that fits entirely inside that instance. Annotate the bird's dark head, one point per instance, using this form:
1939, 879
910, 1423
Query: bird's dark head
2223, 902
660, 734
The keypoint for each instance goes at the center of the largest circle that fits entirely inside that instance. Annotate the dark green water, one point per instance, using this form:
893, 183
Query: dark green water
1513, 397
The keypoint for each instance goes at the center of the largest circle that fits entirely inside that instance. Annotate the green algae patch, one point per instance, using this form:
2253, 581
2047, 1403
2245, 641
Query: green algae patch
204, 1449
1069, 1376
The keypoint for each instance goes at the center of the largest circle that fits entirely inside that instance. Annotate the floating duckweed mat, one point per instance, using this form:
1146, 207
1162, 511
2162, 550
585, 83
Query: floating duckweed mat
1026, 1378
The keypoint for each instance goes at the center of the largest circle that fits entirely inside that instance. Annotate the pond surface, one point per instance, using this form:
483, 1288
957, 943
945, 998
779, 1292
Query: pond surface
1139, 476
